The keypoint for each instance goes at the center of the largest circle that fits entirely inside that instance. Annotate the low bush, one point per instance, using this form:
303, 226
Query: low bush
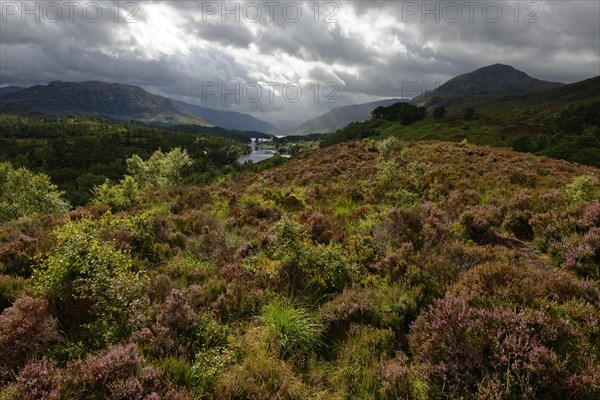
26, 329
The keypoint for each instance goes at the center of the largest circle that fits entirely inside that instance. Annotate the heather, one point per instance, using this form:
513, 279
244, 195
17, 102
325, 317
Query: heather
364, 270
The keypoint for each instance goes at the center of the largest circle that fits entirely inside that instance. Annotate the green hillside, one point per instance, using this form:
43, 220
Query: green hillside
365, 270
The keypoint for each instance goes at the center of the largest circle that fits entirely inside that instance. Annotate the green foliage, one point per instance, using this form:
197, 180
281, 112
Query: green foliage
360, 358
418, 258
583, 188
25, 194
118, 197
295, 330
84, 269
209, 365
300, 264
161, 170
404, 112
439, 112
80, 153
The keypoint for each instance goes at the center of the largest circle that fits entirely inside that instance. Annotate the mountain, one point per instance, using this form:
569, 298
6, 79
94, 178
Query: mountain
340, 117
578, 93
481, 86
6, 90
230, 119
101, 99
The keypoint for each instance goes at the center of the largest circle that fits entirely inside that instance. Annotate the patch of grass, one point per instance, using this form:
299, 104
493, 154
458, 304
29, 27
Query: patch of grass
294, 327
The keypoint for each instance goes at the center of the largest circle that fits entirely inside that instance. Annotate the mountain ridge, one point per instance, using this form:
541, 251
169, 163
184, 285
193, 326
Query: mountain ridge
483, 85
230, 119
101, 99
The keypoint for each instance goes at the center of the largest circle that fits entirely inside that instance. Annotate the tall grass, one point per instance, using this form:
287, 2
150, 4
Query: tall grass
294, 327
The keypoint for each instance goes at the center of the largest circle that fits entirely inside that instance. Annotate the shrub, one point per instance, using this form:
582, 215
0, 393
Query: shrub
118, 372
173, 326
583, 188
399, 380
439, 112
16, 255
403, 112
450, 338
359, 359
300, 264
261, 377
10, 288
89, 281
511, 354
478, 224
517, 222
385, 307
399, 227
25, 329
294, 329
583, 257
117, 197
39, 380
23, 193
161, 170
209, 365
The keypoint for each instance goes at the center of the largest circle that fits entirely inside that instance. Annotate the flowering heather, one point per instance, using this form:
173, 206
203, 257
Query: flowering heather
418, 270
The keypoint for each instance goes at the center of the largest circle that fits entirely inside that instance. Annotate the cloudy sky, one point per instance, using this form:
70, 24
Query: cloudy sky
286, 61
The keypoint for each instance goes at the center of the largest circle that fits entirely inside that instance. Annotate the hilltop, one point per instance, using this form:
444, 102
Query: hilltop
481, 86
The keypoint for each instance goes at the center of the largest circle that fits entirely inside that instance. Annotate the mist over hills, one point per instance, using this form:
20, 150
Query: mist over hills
230, 119
340, 117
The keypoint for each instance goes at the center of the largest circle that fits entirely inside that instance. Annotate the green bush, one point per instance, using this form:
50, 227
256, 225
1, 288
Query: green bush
89, 280
117, 197
161, 170
583, 188
25, 194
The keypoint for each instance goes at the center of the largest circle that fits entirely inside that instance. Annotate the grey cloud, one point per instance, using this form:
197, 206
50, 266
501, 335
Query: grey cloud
562, 46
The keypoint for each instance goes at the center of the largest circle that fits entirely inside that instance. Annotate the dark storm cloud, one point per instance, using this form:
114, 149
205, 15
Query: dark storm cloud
375, 50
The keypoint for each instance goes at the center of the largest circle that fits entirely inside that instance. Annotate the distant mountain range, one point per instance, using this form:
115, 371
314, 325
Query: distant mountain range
475, 88
340, 117
492, 88
6, 90
122, 102
100, 99
482, 86
230, 119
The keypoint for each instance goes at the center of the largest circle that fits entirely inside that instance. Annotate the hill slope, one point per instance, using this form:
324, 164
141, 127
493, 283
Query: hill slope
230, 119
481, 86
100, 99
389, 269
340, 117
578, 93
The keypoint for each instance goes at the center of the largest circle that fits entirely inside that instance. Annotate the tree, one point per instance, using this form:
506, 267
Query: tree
439, 112
24, 193
161, 170
404, 112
